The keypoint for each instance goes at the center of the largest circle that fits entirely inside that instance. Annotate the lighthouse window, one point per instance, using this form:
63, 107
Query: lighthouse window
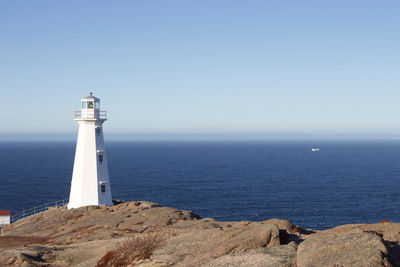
90, 104
103, 188
100, 158
97, 105
84, 104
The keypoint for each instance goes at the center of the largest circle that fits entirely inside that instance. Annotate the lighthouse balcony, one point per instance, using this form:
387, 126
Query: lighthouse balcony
90, 115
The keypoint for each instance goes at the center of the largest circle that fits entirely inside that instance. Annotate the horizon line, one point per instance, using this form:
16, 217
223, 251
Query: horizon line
12, 137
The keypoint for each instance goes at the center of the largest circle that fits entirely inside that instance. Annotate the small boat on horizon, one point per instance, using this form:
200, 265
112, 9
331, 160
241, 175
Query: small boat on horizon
315, 149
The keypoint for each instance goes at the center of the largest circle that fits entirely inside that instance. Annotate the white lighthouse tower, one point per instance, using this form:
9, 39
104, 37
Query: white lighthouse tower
90, 182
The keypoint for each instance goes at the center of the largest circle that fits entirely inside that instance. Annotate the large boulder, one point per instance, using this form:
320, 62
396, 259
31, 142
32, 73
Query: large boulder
343, 248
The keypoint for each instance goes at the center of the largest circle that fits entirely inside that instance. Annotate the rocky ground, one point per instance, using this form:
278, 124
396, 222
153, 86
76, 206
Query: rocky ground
145, 234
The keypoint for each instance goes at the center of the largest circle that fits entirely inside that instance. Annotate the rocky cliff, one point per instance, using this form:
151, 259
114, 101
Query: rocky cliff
145, 234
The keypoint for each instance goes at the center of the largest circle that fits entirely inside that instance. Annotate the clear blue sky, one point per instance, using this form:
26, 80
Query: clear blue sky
246, 67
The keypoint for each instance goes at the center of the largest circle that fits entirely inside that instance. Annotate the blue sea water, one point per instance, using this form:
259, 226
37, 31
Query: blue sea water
345, 182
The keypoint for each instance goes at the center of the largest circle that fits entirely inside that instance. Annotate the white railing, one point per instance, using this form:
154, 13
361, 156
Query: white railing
90, 114
38, 209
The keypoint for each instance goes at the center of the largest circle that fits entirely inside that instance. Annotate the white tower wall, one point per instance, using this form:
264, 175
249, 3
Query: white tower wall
90, 180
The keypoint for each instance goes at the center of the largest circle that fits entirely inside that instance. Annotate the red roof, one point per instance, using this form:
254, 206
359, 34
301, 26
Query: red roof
5, 213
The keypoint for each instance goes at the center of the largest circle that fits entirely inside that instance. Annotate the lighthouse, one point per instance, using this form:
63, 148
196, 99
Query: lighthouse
90, 181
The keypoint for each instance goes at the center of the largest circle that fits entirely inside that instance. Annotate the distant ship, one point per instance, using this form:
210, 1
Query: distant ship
315, 149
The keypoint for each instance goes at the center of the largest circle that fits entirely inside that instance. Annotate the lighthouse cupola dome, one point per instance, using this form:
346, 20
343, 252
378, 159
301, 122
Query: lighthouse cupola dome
90, 109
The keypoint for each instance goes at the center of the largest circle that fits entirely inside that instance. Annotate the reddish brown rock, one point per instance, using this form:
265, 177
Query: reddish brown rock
163, 236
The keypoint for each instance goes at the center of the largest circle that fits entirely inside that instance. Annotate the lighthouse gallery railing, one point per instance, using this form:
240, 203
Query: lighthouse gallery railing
90, 114
38, 209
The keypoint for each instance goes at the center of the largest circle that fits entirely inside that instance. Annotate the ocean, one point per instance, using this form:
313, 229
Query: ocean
345, 182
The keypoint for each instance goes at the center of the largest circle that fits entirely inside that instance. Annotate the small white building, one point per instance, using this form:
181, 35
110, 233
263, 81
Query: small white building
5, 216
90, 181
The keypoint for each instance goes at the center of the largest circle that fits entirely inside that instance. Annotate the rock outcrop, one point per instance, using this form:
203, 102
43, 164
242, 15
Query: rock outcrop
354, 248
141, 233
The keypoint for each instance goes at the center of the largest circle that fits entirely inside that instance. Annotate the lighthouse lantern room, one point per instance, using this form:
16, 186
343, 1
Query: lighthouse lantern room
90, 180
